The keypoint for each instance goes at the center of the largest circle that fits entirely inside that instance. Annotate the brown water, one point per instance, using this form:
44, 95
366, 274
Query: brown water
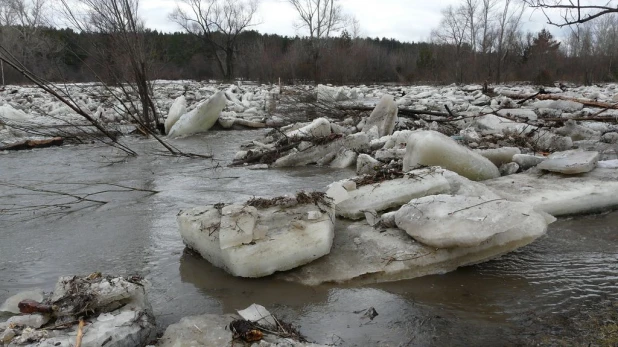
490, 304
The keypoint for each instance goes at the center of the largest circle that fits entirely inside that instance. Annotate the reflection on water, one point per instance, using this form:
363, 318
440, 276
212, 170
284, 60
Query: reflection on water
236, 293
575, 264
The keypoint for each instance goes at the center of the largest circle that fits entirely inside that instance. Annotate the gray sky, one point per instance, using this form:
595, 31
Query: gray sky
405, 20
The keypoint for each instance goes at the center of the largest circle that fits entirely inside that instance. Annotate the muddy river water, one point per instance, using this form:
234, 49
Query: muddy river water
497, 303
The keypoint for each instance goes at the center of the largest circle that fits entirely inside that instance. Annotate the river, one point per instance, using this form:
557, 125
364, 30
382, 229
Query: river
501, 302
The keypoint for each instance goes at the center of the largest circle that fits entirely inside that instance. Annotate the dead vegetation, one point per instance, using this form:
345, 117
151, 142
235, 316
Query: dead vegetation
81, 298
282, 146
383, 173
252, 331
302, 198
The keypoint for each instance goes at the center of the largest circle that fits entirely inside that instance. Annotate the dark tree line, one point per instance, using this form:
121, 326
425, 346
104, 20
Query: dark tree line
589, 54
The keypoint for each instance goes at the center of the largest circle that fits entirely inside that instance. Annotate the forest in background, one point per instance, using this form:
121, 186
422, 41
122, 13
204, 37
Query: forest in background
480, 40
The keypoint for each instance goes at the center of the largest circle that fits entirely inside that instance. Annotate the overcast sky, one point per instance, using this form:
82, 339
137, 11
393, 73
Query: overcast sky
405, 20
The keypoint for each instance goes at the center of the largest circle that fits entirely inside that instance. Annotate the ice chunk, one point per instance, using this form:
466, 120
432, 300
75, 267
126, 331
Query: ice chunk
611, 137
237, 223
509, 169
337, 192
311, 155
318, 128
526, 161
500, 156
384, 116
577, 132
213, 330
345, 158
561, 195
8, 113
10, 305
548, 141
349, 185
608, 164
365, 164
6, 336
566, 106
129, 323
446, 221
227, 119
542, 139
470, 135
357, 142
431, 148
392, 255
178, 108
330, 94
570, 162
201, 119
258, 314
493, 122
386, 155
31, 320
518, 113
291, 239
392, 193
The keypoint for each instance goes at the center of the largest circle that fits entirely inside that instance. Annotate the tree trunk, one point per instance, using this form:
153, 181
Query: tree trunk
229, 63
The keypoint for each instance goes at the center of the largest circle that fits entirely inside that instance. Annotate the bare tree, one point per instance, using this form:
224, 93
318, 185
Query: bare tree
471, 10
321, 19
509, 23
572, 11
486, 24
22, 24
453, 30
218, 23
123, 53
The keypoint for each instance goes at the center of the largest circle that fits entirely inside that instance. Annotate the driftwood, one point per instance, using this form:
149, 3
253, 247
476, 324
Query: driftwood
80, 333
402, 111
595, 119
585, 102
30, 144
257, 157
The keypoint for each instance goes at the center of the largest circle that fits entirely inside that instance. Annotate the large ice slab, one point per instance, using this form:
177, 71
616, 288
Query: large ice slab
331, 94
430, 148
388, 194
200, 119
561, 195
448, 221
384, 116
178, 108
570, 162
283, 237
318, 128
366, 255
313, 154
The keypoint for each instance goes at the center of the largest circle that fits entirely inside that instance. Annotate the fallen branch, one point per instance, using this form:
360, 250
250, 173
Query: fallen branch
80, 333
402, 111
30, 144
257, 157
585, 102
596, 119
